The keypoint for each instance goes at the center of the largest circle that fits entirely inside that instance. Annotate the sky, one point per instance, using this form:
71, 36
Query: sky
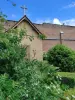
41, 11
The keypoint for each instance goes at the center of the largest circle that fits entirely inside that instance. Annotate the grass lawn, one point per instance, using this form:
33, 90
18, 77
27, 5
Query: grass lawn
70, 92
67, 74
70, 77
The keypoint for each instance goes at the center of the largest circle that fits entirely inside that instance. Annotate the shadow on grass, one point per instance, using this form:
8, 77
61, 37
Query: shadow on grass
68, 82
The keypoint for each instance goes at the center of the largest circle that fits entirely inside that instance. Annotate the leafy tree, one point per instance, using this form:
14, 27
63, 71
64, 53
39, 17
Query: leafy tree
14, 4
36, 80
62, 57
11, 50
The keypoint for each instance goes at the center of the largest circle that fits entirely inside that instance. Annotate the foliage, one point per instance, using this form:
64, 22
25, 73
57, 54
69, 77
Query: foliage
67, 79
38, 80
44, 56
9, 89
14, 4
35, 80
11, 51
70, 91
2, 19
42, 36
62, 57
67, 74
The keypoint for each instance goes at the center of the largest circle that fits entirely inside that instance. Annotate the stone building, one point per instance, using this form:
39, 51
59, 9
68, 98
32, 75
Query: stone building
52, 32
34, 47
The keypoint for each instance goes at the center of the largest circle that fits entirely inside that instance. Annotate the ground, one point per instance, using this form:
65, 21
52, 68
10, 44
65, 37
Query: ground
70, 77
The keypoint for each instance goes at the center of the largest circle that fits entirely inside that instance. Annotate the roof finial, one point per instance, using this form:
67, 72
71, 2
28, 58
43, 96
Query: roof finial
24, 8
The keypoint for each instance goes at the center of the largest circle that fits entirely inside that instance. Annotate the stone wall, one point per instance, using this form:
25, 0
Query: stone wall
35, 50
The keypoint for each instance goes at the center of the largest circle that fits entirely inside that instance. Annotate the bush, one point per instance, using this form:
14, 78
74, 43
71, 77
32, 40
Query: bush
11, 51
34, 81
38, 80
9, 89
62, 57
44, 56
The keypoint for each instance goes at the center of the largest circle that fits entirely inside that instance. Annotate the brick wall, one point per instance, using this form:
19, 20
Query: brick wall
48, 44
52, 33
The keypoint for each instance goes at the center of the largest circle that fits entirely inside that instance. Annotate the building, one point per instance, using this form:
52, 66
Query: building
34, 47
52, 32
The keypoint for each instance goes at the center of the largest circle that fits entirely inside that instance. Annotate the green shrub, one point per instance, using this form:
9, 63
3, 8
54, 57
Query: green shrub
38, 80
11, 51
62, 57
9, 89
44, 56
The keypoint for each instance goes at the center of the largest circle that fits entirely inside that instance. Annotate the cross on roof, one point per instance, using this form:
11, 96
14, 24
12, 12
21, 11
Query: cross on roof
24, 8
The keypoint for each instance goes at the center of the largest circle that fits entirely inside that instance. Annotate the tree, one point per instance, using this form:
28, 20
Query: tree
35, 80
11, 50
62, 57
11, 2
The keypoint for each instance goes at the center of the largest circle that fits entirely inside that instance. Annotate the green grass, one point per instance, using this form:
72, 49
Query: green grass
71, 83
67, 74
70, 92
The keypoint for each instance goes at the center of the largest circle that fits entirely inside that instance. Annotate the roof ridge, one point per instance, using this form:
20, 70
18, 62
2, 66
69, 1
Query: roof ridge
12, 20
28, 20
42, 23
54, 24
